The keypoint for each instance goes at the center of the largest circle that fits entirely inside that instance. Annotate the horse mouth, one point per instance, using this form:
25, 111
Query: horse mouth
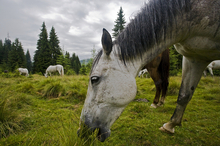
102, 133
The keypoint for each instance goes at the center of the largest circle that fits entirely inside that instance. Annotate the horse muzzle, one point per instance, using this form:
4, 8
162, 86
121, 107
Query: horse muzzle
87, 129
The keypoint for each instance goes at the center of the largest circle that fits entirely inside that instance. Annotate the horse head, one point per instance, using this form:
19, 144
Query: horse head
111, 88
45, 75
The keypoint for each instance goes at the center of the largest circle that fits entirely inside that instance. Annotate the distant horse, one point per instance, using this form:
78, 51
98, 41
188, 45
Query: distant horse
5, 71
213, 65
142, 72
23, 71
158, 69
192, 26
54, 68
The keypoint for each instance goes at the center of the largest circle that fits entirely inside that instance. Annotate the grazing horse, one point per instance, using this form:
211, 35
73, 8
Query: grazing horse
5, 71
213, 65
158, 69
142, 72
192, 26
54, 68
23, 71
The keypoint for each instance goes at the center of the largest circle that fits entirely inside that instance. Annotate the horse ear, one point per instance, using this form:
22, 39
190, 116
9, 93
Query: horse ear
106, 42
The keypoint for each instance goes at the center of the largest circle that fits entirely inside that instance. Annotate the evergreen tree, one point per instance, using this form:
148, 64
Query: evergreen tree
75, 63
55, 48
67, 62
119, 23
83, 70
78, 65
28, 61
6, 50
175, 61
16, 57
42, 57
1, 51
61, 60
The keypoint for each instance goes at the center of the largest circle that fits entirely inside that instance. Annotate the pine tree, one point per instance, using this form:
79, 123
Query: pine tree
83, 70
61, 60
42, 57
1, 51
78, 65
16, 57
6, 50
28, 61
175, 61
119, 23
67, 62
55, 48
75, 63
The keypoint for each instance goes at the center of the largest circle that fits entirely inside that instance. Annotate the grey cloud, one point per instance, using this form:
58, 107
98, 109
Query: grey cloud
78, 24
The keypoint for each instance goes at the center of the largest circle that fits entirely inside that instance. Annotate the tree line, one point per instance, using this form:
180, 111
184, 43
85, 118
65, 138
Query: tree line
12, 55
48, 52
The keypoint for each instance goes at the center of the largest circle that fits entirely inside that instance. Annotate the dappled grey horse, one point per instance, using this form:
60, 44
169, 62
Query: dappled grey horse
23, 71
192, 26
142, 72
54, 68
213, 65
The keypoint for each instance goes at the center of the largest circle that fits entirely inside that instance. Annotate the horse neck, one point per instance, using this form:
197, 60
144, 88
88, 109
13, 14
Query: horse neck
134, 66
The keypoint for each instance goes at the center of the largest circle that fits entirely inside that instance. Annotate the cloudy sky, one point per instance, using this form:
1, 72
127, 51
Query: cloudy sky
78, 23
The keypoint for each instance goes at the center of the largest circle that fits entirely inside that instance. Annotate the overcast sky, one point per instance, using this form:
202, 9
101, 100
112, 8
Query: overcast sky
78, 23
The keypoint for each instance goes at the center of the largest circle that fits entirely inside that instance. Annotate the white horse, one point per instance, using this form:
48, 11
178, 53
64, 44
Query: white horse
213, 65
54, 68
142, 72
192, 26
23, 71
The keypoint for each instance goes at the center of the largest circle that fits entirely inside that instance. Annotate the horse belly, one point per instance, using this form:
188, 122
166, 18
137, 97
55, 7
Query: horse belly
199, 47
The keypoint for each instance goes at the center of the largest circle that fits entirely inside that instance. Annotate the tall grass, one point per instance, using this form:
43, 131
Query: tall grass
46, 111
9, 117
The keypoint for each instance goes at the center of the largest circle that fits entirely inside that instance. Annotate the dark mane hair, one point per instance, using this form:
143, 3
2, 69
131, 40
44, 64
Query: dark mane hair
150, 26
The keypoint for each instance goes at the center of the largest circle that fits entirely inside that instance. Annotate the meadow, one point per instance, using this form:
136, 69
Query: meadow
39, 111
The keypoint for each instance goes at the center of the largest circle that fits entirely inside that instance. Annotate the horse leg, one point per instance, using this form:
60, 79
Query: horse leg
158, 82
164, 92
60, 72
164, 86
204, 72
191, 74
157, 95
211, 72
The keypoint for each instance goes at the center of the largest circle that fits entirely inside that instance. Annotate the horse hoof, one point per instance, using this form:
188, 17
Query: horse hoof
159, 104
164, 128
153, 105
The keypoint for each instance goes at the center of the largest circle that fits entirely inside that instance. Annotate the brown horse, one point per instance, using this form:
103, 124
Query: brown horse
158, 69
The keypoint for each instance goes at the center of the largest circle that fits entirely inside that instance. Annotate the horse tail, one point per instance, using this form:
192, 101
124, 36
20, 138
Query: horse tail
164, 68
62, 71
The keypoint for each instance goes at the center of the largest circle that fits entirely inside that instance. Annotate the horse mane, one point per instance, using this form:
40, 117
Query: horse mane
150, 26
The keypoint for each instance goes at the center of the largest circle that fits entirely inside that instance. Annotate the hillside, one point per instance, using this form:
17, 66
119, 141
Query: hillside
84, 61
46, 111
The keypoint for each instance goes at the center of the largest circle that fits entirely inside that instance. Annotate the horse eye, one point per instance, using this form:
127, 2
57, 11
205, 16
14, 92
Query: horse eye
94, 79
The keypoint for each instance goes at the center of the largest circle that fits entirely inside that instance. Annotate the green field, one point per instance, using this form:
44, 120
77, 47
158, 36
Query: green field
39, 111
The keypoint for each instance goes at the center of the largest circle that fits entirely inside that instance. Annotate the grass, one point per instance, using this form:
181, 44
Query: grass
45, 111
